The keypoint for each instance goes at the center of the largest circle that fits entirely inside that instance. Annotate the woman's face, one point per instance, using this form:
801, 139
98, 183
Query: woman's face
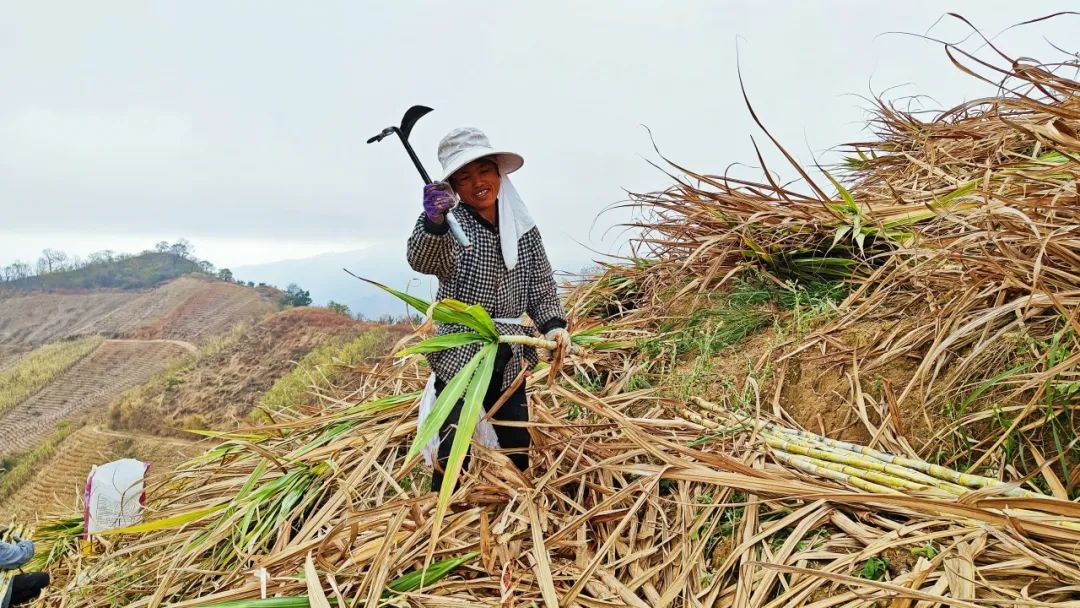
477, 183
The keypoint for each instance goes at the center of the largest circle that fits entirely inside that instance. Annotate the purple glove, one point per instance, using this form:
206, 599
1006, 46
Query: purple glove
437, 201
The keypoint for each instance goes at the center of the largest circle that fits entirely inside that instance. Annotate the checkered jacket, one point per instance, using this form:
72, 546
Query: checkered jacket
480, 277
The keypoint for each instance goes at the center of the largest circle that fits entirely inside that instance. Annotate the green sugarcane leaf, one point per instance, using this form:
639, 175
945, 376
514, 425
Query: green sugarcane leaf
470, 414
446, 311
964, 190
421, 306
383, 403
841, 232
480, 316
443, 405
849, 201
860, 239
432, 574
472, 316
167, 523
440, 343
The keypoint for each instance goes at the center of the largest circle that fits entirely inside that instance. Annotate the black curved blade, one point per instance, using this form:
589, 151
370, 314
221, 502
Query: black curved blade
412, 115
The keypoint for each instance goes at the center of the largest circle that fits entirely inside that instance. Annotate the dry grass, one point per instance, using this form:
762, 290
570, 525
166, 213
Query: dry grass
953, 237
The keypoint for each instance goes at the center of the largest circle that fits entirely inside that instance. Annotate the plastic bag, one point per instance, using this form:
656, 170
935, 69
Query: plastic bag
115, 495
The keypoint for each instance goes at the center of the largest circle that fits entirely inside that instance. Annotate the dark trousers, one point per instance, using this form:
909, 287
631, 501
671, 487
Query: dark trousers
516, 409
25, 587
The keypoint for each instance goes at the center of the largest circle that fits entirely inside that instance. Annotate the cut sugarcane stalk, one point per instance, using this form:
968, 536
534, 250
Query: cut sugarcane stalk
938, 471
536, 343
886, 480
860, 461
804, 464
958, 482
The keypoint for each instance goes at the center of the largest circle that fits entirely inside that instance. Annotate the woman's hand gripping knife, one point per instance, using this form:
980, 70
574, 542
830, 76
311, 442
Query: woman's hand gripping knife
438, 201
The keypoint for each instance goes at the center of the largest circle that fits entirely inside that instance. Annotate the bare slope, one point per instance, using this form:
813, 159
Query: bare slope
218, 390
191, 308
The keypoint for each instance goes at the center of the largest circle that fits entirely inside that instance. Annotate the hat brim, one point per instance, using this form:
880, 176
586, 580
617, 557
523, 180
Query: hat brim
508, 162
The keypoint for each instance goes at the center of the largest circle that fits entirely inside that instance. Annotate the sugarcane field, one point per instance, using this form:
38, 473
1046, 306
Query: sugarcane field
851, 382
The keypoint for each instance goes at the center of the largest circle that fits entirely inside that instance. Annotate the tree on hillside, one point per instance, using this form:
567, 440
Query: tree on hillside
101, 257
225, 275
161, 246
51, 260
294, 296
338, 307
207, 267
17, 270
182, 249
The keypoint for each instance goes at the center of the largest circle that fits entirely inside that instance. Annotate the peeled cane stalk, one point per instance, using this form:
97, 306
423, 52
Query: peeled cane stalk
536, 343
862, 462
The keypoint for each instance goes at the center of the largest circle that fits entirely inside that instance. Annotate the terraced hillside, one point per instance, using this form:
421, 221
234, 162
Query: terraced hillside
191, 308
197, 312
114, 366
59, 485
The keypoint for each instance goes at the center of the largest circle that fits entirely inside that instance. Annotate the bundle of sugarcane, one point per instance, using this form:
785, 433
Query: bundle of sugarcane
860, 466
864, 467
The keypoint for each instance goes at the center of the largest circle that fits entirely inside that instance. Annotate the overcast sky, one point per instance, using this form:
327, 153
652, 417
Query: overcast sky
241, 125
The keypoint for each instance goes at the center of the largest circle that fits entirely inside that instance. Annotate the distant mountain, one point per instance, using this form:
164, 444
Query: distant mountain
322, 275
145, 270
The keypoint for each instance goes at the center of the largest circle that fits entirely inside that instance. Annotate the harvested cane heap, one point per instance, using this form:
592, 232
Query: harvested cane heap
935, 278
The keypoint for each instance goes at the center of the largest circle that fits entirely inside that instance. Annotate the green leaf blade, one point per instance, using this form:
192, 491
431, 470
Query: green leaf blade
443, 342
443, 406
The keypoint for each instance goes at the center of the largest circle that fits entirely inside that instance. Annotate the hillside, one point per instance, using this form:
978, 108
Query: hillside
57, 488
192, 308
148, 390
143, 271
219, 389
65, 356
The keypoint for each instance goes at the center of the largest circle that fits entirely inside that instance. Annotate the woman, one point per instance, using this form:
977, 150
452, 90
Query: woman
23, 587
505, 269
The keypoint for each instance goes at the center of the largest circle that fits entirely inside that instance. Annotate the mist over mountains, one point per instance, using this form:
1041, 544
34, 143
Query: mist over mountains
324, 277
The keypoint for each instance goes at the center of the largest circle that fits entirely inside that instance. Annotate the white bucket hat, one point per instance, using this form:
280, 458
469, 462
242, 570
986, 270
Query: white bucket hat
462, 146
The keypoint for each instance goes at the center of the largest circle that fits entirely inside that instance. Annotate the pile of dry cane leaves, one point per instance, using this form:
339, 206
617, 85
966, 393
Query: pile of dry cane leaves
955, 231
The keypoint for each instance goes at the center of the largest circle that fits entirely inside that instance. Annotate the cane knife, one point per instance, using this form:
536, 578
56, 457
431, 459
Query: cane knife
412, 115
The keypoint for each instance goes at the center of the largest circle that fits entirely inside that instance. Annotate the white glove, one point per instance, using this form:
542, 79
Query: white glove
554, 334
